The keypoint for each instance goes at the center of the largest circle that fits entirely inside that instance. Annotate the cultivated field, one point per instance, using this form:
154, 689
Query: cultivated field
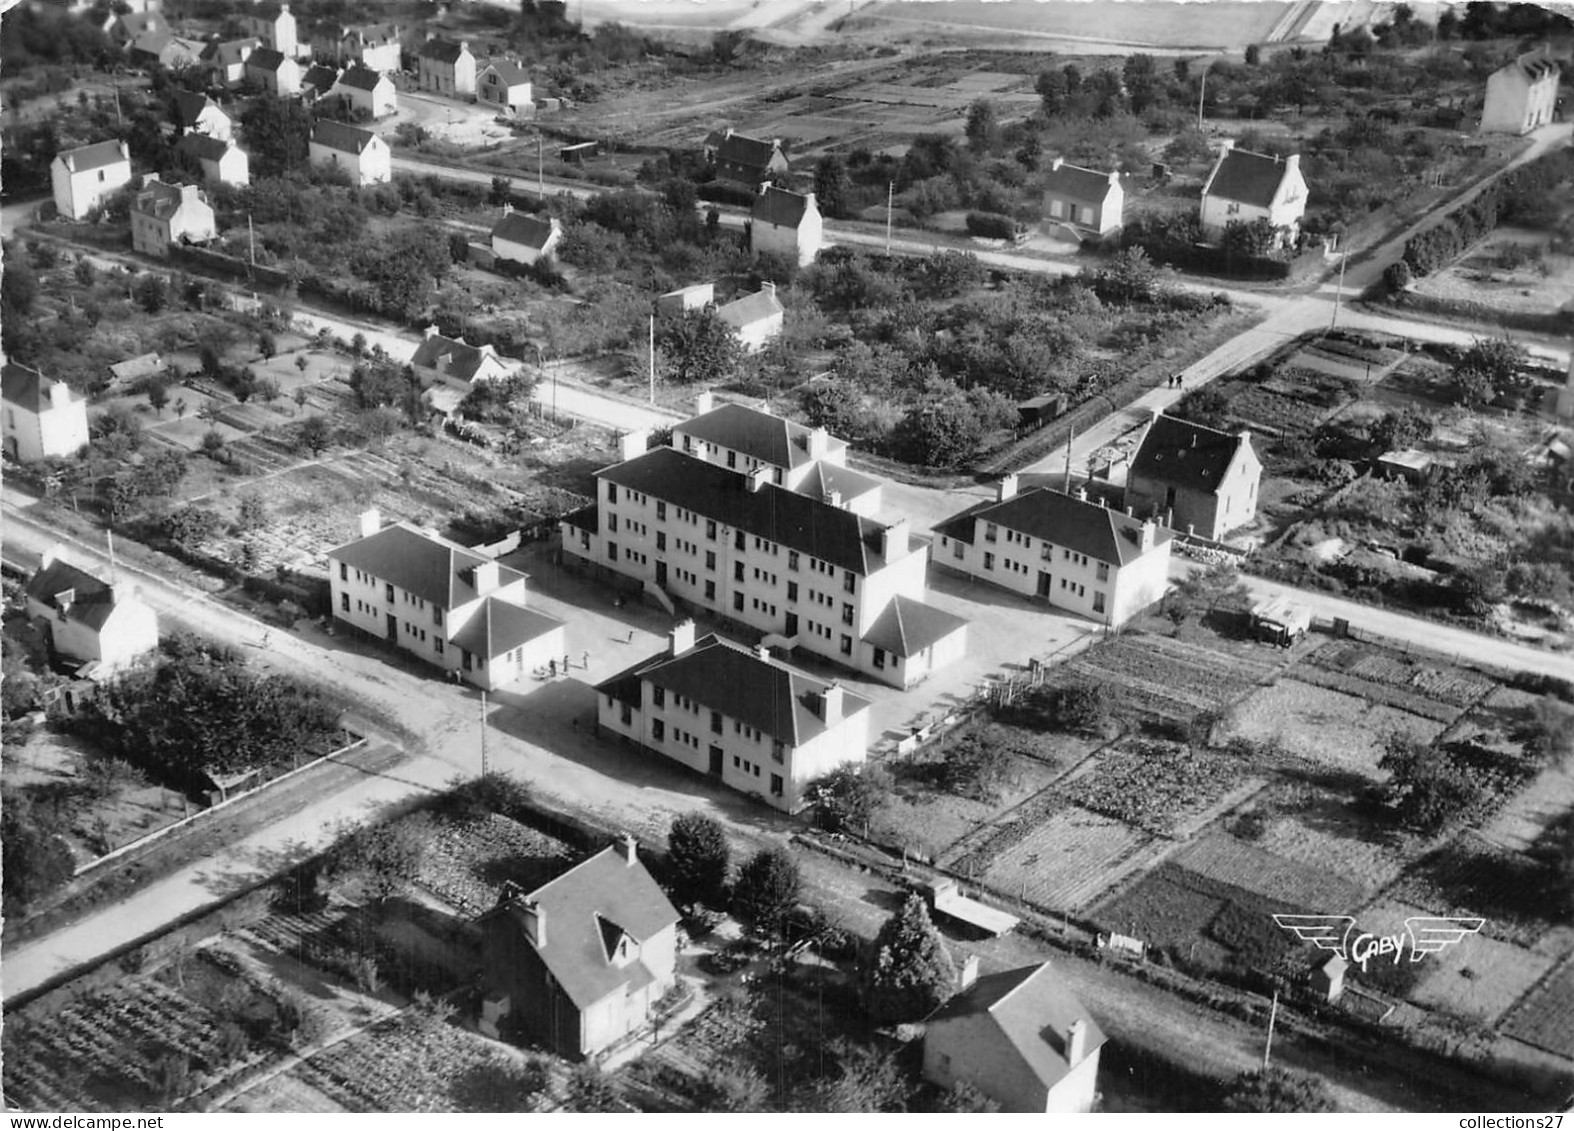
1171, 678
1513, 271
1070, 859
466, 861
1321, 827
1546, 1017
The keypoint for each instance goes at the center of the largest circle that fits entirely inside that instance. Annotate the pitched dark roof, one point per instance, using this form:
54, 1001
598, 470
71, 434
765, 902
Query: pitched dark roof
750, 309
774, 698
92, 598
28, 388
761, 435
585, 518
189, 106
1077, 183
432, 568
512, 73
319, 77
266, 59
500, 626
443, 50
143, 365
1535, 66
1032, 1009
229, 52
604, 889
742, 149
1251, 178
463, 358
133, 24
782, 208
95, 156
1102, 534
158, 199
907, 627
523, 228
337, 135
361, 77
202, 147
824, 478
1184, 454
840, 537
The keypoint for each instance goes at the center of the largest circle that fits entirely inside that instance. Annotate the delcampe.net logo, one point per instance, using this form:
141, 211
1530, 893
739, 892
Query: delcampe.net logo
1426, 934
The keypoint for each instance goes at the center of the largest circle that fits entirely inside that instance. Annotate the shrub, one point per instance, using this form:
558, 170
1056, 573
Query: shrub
767, 890
845, 799
991, 225
699, 857
908, 973
1277, 1090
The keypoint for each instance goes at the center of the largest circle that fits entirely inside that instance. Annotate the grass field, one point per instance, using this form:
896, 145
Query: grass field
1227, 860
1224, 24
1321, 828
1546, 1018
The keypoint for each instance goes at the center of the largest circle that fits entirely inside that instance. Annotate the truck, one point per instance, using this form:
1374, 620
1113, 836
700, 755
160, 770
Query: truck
1280, 621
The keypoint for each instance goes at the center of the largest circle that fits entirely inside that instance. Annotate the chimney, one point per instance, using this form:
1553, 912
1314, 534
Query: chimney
59, 395
120, 591
1006, 488
464, 45
1227, 144
632, 444
486, 578
767, 287
834, 498
51, 556
809, 200
819, 442
758, 478
1246, 437
150, 179
371, 522
1076, 1042
1082, 494
125, 152
727, 132
65, 599
704, 402
628, 848
1145, 536
895, 540
1293, 162
190, 194
967, 974
535, 922
762, 652
680, 638
1114, 178
1056, 164
831, 701
508, 209
1130, 512
765, 187
431, 331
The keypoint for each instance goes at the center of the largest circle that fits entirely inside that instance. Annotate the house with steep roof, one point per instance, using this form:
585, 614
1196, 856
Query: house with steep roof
219, 162
275, 25
318, 81
505, 84
160, 49
1086, 201
1521, 95
1194, 478
695, 296
360, 153
226, 59
44, 419
755, 320
1021, 1038
806, 574
450, 607
125, 374
522, 238
1066, 550
786, 224
457, 363
163, 214
737, 714
746, 439
367, 92
745, 162
99, 624
274, 71
197, 113
124, 29
1247, 187
375, 46
580, 963
85, 177
446, 67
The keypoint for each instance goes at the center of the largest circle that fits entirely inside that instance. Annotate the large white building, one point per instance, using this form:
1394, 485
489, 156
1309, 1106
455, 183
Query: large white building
102, 625
1521, 95
450, 607
752, 722
1247, 187
1075, 554
84, 178
44, 419
792, 566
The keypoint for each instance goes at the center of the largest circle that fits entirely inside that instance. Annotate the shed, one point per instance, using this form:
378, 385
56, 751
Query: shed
578, 153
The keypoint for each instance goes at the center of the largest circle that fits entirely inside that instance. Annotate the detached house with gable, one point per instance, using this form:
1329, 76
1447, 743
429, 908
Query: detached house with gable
755, 320
1084, 200
1063, 549
44, 419
786, 224
220, 162
446, 605
506, 85
1194, 478
745, 162
367, 92
580, 963
1521, 95
274, 71
446, 67
748, 720
85, 177
375, 46
455, 362
1247, 187
163, 214
197, 113
225, 60
102, 625
360, 153
525, 239
275, 25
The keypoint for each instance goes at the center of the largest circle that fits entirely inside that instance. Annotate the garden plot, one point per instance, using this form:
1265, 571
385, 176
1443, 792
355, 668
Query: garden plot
1156, 785
1169, 678
1324, 726
1071, 859
1190, 915
1546, 1017
1226, 860
1324, 831
467, 862
1446, 684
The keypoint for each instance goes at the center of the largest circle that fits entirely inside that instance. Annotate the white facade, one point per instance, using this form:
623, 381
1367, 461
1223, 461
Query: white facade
279, 32
163, 214
504, 88
213, 122
798, 240
507, 244
377, 99
443, 70
1282, 203
232, 167
84, 178
43, 419
113, 638
1521, 96
373, 165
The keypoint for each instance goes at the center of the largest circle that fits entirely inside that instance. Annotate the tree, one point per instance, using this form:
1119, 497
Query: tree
832, 185
501, 192
845, 799
732, 1089
267, 344
158, 395
1277, 1090
1427, 788
591, 1090
1398, 277
1406, 428
698, 853
213, 443
1052, 90
767, 889
1253, 240
316, 434
37, 859
1131, 277
697, 348
983, 126
152, 295
1489, 368
908, 974
191, 525
863, 1081
1083, 707
1202, 591
253, 512
380, 861
945, 425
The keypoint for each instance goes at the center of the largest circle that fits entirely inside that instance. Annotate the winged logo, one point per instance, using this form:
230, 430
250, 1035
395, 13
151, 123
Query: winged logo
1326, 932
1432, 933
1426, 934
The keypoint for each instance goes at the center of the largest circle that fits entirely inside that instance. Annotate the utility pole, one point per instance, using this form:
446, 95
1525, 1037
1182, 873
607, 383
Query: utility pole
652, 359
1202, 85
541, 177
485, 769
1273, 1013
1069, 441
251, 238
114, 572
1339, 292
890, 196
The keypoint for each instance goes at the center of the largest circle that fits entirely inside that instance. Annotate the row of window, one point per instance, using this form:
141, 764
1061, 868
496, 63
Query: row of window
745, 767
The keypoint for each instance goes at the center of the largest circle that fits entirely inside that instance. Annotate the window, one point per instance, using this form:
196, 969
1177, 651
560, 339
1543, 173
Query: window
737, 571
661, 510
658, 696
715, 722
658, 730
732, 460
388, 593
879, 658
847, 614
437, 645
792, 559
989, 561
737, 602
710, 559
792, 590
612, 523
738, 540
847, 645
849, 582
612, 492
776, 785
344, 569
957, 551
710, 590
628, 715
612, 551
437, 616
1098, 601
710, 529
991, 532
344, 602
1103, 571
661, 540
779, 750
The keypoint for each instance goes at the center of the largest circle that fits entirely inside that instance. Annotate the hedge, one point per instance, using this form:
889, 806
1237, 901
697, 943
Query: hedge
991, 225
1448, 239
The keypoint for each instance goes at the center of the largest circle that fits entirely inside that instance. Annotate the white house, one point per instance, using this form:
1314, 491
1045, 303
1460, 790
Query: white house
1194, 478
1521, 95
754, 319
455, 362
275, 25
506, 85
197, 113
448, 606
804, 572
1021, 1038
521, 238
787, 224
752, 722
1062, 549
84, 178
743, 161
274, 71
318, 81
360, 153
124, 29
1087, 201
101, 624
1247, 187
44, 419
163, 214
221, 162
446, 67
368, 91
375, 46
695, 296
226, 60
